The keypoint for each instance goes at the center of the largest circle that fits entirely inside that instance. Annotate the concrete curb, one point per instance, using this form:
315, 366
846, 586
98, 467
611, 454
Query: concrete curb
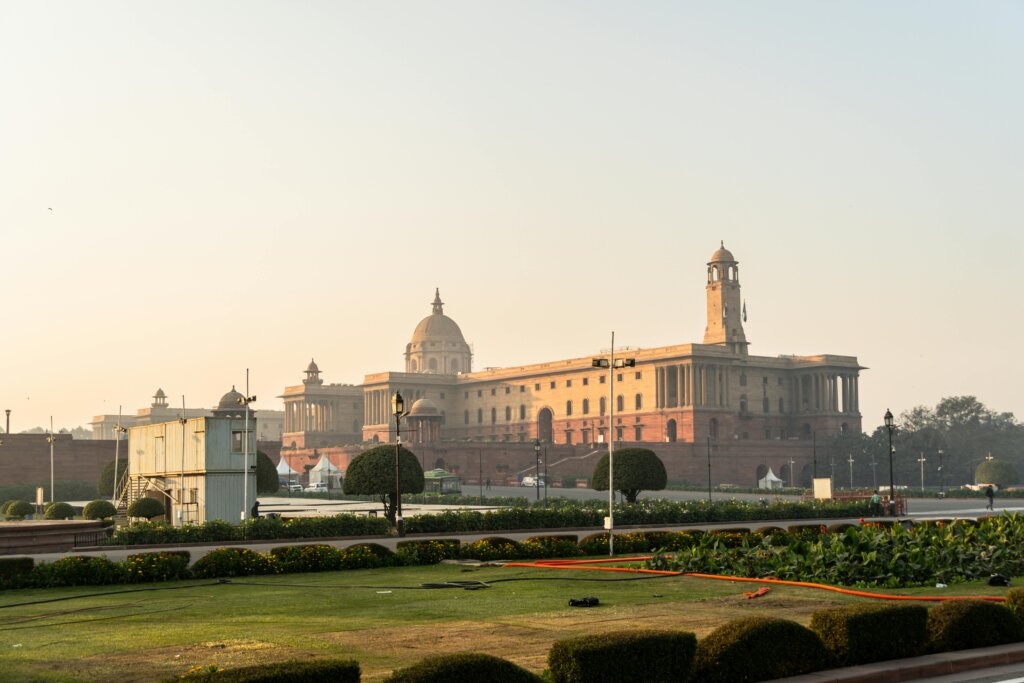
917, 668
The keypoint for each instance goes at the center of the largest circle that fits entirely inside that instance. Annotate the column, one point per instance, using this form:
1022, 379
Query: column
657, 388
679, 385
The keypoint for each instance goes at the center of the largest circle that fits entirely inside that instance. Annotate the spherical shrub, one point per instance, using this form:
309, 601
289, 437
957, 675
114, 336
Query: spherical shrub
78, 570
666, 657
146, 507
467, 666
862, 633
307, 558
19, 509
968, 624
758, 649
59, 511
99, 509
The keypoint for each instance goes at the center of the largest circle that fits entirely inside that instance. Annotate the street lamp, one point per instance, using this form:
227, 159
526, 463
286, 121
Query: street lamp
8, 430
245, 401
50, 438
118, 431
892, 480
709, 468
942, 477
536, 455
922, 461
612, 364
398, 410
792, 480
850, 460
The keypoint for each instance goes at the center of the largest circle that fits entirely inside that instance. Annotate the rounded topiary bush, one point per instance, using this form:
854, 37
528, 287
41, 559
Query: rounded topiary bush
316, 557
758, 649
99, 509
19, 509
59, 511
872, 632
367, 556
314, 671
468, 666
967, 624
78, 570
649, 656
1015, 602
491, 548
146, 507
232, 562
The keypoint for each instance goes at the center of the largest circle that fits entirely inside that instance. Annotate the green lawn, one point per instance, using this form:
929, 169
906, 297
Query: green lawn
378, 617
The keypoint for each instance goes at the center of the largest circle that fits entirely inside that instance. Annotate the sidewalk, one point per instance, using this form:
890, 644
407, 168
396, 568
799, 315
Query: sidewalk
918, 668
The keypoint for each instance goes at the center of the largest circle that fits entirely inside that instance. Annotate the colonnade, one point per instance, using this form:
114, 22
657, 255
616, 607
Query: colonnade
377, 404
691, 385
312, 415
828, 392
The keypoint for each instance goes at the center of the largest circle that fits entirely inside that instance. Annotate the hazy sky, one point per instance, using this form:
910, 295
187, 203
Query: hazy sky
250, 184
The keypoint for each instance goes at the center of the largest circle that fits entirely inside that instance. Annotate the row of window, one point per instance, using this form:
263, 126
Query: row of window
765, 405
620, 403
764, 380
552, 384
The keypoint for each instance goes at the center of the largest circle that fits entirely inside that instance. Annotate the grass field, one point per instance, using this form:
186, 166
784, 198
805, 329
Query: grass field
378, 617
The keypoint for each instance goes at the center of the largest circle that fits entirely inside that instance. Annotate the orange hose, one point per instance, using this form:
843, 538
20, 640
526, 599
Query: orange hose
585, 564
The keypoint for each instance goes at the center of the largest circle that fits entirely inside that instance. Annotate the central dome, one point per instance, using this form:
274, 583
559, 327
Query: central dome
437, 327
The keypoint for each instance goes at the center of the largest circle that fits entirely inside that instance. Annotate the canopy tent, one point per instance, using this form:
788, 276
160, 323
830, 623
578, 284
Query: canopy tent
327, 472
770, 481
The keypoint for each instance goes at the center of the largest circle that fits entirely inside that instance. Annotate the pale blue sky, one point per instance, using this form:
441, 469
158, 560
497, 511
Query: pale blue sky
558, 169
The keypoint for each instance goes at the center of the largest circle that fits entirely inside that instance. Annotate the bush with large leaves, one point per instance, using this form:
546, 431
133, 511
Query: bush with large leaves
373, 473
636, 470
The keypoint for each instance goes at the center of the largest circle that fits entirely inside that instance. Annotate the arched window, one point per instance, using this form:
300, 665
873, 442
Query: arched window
479, 415
586, 406
620, 404
494, 415
639, 401
568, 407
508, 413
522, 412
467, 417
603, 405
743, 403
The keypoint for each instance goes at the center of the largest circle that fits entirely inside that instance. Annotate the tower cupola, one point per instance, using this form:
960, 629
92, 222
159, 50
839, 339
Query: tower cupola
725, 307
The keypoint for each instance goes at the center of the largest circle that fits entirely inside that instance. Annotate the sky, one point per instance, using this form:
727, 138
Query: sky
190, 189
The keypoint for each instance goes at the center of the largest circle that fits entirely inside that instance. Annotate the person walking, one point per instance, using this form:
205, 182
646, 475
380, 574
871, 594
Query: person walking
876, 504
991, 495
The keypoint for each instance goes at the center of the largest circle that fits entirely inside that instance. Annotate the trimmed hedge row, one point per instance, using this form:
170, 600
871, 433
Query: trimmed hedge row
655, 656
466, 666
261, 528
316, 671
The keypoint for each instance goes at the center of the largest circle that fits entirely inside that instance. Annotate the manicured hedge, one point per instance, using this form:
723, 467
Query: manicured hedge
19, 509
146, 507
491, 548
1015, 602
306, 558
427, 552
315, 671
542, 547
99, 509
158, 566
623, 656
969, 624
13, 570
262, 528
469, 666
872, 632
758, 649
77, 570
232, 562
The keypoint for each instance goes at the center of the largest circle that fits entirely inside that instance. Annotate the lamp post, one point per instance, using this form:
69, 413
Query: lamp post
850, 460
545, 476
8, 430
892, 480
245, 401
118, 431
942, 477
709, 468
50, 438
536, 467
792, 479
398, 410
922, 461
612, 364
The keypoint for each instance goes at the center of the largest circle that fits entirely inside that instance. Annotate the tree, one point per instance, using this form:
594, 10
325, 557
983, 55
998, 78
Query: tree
266, 474
146, 507
59, 511
373, 473
636, 470
998, 472
99, 509
105, 485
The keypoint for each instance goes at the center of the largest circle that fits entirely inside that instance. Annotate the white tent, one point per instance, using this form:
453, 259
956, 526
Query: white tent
325, 471
285, 473
770, 481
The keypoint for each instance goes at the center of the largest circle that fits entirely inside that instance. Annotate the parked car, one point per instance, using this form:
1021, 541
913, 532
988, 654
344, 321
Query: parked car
533, 482
319, 487
295, 488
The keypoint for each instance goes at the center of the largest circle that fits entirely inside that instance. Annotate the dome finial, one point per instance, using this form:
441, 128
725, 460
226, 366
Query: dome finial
438, 304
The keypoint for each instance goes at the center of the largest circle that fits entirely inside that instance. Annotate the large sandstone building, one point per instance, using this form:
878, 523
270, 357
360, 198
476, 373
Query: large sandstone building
752, 411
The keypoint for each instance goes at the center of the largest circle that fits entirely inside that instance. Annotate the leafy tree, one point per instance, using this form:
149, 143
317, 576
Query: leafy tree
266, 474
19, 509
146, 507
373, 473
59, 511
99, 509
636, 470
998, 472
105, 485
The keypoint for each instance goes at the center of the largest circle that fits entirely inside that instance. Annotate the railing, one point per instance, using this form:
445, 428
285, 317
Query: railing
91, 538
